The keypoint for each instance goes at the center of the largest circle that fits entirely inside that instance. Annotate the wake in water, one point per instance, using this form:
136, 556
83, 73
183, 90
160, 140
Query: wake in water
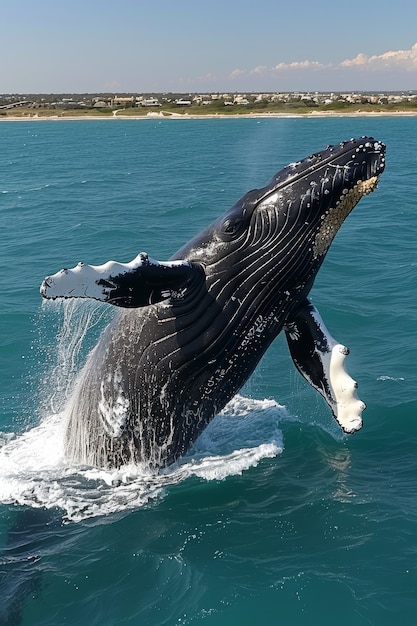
33, 469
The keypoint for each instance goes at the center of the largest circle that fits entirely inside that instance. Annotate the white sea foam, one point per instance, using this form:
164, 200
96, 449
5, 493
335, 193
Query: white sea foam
33, 470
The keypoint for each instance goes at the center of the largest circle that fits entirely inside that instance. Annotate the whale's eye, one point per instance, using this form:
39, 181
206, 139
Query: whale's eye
229, 227
232, 227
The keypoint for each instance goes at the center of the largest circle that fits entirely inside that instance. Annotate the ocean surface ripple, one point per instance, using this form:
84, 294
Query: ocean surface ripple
274, 515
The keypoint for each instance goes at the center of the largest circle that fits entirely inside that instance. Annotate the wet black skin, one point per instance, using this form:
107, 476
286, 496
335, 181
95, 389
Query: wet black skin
169, 367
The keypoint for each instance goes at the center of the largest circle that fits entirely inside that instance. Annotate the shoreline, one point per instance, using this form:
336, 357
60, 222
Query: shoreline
187, 116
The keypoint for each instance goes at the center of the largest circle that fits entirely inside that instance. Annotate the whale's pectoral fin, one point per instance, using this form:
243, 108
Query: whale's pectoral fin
139, 283
320, 359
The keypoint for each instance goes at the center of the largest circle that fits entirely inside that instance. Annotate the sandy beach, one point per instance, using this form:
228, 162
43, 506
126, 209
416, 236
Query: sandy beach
186, 116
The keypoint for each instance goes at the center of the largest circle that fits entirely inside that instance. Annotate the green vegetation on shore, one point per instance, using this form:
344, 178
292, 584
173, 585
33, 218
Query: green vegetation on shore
293, 105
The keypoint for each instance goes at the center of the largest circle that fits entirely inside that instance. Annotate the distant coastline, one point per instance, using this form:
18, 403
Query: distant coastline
206, 106
152, 115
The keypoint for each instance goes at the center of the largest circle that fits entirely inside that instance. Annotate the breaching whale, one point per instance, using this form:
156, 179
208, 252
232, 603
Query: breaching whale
192, 329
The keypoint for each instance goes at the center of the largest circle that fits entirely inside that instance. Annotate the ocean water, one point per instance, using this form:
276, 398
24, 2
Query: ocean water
274, 517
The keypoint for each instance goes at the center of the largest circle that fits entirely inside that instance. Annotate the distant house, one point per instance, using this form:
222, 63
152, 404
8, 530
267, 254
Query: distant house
150, 102
241, 100
123, 100
184, 103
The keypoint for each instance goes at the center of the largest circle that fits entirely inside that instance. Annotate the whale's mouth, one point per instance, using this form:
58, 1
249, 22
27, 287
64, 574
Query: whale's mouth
334, 217
364, 157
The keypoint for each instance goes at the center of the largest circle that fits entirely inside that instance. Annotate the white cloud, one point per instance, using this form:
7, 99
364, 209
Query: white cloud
359, 61
237, 73
299, 65
394, 59
263, 70
401, 60
260, 70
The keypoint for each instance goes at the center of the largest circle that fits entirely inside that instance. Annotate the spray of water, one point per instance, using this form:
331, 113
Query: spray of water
65, 355
33, 468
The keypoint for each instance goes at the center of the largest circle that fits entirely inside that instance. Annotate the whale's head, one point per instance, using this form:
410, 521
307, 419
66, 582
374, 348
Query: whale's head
285, 228
274, 238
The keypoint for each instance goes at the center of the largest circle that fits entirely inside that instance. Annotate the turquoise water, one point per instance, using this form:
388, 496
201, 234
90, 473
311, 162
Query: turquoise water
274, 516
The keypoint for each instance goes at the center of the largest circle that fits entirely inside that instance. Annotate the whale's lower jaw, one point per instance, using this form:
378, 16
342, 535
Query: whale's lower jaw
335, 217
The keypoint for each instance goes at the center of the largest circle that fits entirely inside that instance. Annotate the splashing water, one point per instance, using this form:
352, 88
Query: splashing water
78, 319
33, 469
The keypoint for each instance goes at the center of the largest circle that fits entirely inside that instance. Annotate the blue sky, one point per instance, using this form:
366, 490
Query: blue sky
217, 45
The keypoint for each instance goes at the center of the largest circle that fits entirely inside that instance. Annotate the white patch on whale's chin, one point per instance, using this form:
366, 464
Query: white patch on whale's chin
335, 217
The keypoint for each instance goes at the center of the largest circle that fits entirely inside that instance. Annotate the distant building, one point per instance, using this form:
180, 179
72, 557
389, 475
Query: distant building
241, 100
150, 102
123, 100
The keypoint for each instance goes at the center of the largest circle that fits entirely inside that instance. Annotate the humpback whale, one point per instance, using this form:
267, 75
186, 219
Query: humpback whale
191, 330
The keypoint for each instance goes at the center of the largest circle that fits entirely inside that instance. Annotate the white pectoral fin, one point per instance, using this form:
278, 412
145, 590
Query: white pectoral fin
346, 406
320, 359
141, 282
